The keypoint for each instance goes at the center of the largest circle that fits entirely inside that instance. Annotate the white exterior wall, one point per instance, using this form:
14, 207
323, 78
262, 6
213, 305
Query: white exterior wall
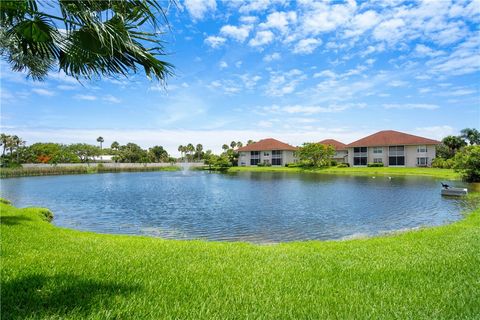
265, 156
340, 156
411, 155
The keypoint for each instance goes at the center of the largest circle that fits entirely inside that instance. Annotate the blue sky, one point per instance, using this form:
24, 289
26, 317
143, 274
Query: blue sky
295, 71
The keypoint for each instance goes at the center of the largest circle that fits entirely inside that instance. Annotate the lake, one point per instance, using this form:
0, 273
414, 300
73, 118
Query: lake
258, 207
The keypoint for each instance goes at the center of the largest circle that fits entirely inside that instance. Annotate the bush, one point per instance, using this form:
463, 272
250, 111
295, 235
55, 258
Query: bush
443, 163
343, 165
293, 165
333, 163
375, 164
264, 164
467, 162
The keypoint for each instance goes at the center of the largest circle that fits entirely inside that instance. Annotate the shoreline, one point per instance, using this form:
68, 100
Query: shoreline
450, 174
405, 275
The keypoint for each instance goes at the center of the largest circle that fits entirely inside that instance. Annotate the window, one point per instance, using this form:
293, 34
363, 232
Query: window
277, 162
276, 157
242, 154
421, 149
360, 156
377, 150
377, 160
422, 161
254, 158
396, 156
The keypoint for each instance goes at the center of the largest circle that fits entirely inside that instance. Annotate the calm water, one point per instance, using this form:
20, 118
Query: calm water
257, 207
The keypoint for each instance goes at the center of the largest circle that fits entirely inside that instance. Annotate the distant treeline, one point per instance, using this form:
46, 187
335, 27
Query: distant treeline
15, 152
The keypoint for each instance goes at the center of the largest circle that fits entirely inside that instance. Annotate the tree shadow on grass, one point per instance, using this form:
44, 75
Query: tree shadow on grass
13, 220
38, 296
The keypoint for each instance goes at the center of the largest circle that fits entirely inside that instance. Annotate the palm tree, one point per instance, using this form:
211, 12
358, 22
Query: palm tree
115, 145
190, 148
4, 141
472, 135
239, 144
100, 140
250, 142
84, 39
181, 149
225, 147
16, 142
233, 144
454, 144
199, 149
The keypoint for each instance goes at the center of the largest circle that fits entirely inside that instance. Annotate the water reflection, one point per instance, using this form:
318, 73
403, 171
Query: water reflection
246, 206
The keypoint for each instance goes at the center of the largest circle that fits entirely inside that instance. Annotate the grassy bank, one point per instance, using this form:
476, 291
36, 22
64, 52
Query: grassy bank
25, 172
430, 172
55, 273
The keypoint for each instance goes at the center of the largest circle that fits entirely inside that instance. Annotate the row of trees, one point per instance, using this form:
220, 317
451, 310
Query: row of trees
15, 152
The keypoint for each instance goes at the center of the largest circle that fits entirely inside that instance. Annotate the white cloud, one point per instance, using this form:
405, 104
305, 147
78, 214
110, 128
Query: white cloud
362, 22
250, 81
322, 17
237, 33
424, 90
314, 109
112, 99
214, 41
198, 8
397, 83
66, 87
262, 38
390, 30
282, 83
258, 5
409, 106
223, 65
85, 97
272, 57
423, 77
265, 124
424, 50
248, 19
435, 132
279, 21
306, 46
461, 92
43, 92
325, 73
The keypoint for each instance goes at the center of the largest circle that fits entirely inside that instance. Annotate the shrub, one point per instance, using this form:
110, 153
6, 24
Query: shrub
467, 162
375, 164
343, 165
47, 215
293, 165
443, 163
264, 164
333, 163
5, 201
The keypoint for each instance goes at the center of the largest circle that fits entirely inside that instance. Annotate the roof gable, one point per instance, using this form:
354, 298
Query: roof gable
267, 144
334, 143
391, 138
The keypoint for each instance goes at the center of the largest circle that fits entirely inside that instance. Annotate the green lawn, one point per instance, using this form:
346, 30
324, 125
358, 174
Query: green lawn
53, 273
433, 172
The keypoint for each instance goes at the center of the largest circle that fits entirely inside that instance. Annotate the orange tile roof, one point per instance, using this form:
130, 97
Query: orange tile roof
334, 143
391, 138
267, 144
